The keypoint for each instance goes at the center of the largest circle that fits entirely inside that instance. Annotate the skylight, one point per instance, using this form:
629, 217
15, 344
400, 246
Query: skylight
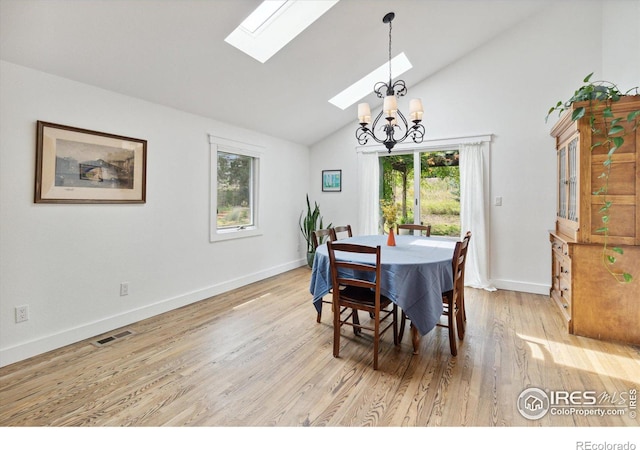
360, 89
274, 24
262, 14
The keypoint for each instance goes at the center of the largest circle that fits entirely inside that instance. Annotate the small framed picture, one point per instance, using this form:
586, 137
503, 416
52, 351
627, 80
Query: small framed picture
331, 180
74, 165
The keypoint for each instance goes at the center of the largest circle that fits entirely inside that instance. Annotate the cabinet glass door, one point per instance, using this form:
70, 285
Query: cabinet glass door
572, 169
562, 183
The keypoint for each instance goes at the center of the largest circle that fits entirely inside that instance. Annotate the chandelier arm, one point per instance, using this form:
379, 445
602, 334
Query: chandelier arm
399, 87
404, 120
417, 133
381, 88
364, 133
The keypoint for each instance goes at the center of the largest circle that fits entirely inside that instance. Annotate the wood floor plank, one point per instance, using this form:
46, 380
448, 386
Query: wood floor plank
255, 356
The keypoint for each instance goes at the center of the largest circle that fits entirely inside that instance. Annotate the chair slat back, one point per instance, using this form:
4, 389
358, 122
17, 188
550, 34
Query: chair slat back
341, 229
415, 227
459, 261
339, 266
318, 236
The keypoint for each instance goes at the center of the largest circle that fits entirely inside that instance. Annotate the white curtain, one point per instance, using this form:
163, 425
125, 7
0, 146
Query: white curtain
472, 215
368, 192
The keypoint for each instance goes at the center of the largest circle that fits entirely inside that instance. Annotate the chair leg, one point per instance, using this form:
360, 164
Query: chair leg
451, 324
336, 332
460, 314
452, 340
396, 341
376, 343
319, 317
356, 320
460, 323
403, 321
462, 306
415, 339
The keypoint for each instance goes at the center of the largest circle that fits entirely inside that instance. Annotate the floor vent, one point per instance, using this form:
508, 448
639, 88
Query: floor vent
109, 339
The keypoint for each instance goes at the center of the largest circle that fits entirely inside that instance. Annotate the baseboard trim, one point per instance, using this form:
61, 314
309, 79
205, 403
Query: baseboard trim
532, 288
54, 341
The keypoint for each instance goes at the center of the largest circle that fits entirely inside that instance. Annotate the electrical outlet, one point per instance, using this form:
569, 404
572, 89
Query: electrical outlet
22, 313
124, 288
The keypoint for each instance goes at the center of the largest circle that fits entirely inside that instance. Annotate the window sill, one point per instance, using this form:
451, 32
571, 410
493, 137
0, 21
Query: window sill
235, 233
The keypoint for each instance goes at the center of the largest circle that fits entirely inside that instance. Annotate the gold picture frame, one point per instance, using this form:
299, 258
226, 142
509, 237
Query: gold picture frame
74, 165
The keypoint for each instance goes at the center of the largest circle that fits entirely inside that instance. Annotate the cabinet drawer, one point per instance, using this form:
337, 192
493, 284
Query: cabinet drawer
564, 268
557, 246
560, 247
565, 292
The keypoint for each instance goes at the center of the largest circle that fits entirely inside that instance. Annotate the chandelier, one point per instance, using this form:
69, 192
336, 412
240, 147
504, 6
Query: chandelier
395, 127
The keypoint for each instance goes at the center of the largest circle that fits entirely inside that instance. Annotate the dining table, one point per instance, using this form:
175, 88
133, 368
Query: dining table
414, 274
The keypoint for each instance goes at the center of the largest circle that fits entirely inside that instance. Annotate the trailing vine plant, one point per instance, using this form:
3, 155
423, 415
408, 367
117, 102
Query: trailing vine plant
601, 96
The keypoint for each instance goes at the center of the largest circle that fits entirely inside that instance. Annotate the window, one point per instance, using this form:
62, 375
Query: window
361, 88
235, 185
274, 24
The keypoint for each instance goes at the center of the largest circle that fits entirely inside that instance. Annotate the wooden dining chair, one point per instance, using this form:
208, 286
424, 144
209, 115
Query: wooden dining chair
414, 227
320, 235
453, 300
318, 239
358, 292
465, 248
339, 231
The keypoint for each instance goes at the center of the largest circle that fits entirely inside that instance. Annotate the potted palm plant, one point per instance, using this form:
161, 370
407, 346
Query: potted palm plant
308, 224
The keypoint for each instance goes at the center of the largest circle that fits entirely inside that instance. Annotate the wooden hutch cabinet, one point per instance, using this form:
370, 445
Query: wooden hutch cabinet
593, 303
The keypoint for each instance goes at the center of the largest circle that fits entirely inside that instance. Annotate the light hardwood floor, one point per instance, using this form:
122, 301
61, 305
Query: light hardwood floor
257, 357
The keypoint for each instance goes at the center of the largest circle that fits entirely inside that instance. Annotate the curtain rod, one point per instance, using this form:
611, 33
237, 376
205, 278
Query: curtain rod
428, 144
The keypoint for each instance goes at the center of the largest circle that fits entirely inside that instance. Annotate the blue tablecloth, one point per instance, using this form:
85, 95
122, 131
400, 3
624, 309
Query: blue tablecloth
414, 274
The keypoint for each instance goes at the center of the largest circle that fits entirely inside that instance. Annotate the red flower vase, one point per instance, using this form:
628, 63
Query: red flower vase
391, 239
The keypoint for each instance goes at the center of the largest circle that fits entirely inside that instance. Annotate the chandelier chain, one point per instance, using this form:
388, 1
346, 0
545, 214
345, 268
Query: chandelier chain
390, 78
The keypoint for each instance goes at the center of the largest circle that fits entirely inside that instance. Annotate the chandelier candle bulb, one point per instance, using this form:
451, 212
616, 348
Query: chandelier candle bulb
364, 113
415, 109
416, 117
390, 106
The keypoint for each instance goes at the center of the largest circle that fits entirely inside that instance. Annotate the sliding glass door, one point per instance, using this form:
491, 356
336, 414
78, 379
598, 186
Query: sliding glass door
423, 188
397, 189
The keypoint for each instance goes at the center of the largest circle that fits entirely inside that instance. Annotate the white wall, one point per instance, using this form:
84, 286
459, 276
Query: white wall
503, 88
621, 43
67, 261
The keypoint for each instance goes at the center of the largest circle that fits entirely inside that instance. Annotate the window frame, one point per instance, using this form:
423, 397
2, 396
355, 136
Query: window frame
219, 144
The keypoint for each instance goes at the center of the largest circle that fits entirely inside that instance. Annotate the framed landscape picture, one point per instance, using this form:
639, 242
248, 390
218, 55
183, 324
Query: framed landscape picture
74, 165
331, 180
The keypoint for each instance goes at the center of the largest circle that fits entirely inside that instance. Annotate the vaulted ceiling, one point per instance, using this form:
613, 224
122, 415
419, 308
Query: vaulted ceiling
172, 52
